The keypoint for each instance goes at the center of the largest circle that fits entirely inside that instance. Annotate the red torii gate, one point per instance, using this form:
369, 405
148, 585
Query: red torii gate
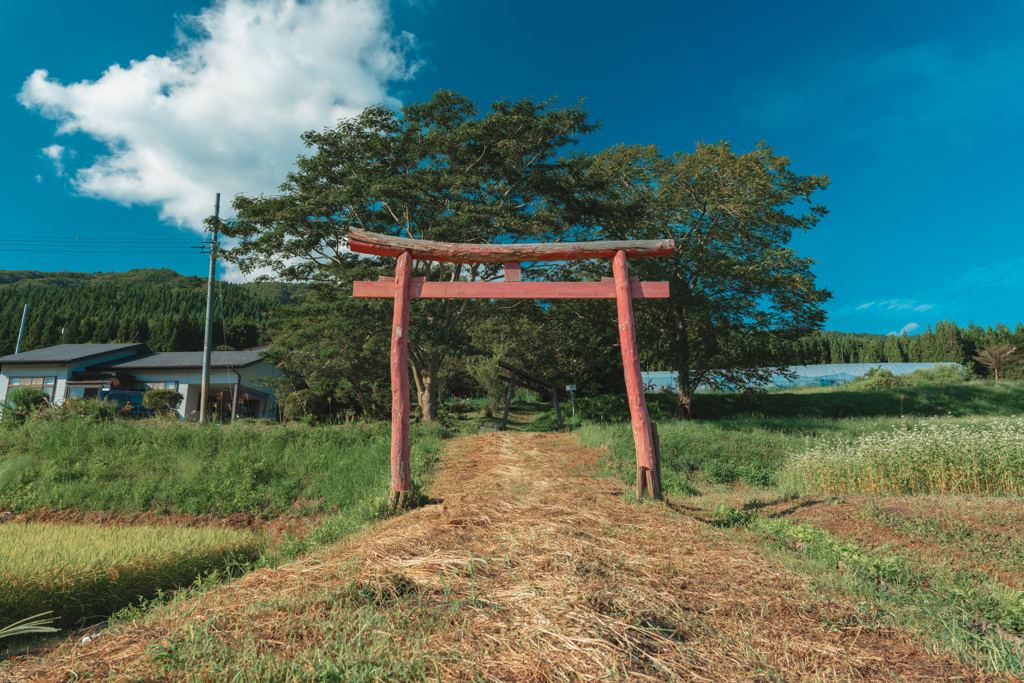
404, 287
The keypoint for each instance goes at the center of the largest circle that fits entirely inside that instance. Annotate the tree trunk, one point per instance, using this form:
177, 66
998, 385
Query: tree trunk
684, 409
425, 375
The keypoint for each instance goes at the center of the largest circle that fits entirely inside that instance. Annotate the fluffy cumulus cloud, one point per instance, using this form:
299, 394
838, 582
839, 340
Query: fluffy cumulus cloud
223, 112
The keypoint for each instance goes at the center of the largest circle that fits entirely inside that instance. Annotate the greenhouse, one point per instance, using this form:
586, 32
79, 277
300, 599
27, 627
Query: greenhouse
826, 375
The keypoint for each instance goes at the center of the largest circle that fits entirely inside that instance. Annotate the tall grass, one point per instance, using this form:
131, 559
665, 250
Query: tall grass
922, 400
981, 457
749, 438
198, 469
83, 572
750, 450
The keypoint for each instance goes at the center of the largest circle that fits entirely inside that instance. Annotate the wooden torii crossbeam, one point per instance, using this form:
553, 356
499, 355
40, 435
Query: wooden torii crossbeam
403, 287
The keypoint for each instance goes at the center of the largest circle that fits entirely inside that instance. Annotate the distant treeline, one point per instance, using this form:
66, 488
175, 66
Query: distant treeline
165, 310
157, 307
946, 342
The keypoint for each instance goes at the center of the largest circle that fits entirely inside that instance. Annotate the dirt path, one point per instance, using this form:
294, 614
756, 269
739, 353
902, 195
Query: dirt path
527, 570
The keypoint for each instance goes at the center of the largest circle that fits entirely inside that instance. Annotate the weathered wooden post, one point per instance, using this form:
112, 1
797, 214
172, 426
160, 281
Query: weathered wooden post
646, 469
509, 395
558, 411
401, 476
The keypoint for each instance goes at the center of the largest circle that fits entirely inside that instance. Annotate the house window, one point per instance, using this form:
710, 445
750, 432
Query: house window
47, 384
149, 386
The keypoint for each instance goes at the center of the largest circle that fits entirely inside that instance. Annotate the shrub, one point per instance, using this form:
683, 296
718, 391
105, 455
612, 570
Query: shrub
877, 378
880, 378
162, 401
940, 374
304, 403
91, 409
25, 402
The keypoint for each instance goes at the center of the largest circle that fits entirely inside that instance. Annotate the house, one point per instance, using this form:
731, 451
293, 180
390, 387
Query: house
87, 370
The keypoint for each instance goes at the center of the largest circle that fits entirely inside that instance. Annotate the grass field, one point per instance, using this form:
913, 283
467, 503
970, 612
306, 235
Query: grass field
131, 466
883, 521
82, 573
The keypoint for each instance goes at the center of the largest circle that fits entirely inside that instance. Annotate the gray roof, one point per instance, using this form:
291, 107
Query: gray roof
70, 353
178, 360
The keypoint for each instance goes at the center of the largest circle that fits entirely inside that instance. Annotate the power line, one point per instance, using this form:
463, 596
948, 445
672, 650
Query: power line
22, 238
164, 250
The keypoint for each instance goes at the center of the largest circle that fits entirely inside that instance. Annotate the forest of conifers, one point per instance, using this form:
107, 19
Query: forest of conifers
165, 310
159, 307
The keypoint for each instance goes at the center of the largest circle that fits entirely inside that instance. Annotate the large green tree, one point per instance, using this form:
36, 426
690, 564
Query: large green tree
438, 170
740, 294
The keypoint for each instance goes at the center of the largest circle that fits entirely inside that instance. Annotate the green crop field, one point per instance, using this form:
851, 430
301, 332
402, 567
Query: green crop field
81, 572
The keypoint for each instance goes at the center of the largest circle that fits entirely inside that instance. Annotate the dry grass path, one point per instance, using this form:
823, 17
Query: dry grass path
527, 570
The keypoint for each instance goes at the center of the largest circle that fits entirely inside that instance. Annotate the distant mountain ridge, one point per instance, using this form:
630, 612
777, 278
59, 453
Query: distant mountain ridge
157, 306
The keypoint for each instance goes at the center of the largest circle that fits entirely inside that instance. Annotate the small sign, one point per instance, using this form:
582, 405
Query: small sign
570, 387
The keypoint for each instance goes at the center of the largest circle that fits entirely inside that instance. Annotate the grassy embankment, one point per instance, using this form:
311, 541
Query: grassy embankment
906, 499
338, 472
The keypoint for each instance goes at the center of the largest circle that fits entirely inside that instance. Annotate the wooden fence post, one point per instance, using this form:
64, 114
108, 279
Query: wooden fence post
509, 395
558, 411
401, 477
646, 468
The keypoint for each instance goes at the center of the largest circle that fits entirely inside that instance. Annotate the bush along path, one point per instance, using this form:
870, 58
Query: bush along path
522, 568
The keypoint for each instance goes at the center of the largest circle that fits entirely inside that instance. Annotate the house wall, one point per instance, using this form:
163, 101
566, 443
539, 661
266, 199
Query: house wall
190, 384
189, 380
59, 370
62, 371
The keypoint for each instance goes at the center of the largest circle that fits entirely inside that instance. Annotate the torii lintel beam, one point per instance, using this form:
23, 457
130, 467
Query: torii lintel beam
419, 289
365, 242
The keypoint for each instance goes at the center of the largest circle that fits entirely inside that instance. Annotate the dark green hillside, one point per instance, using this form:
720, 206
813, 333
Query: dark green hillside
156, 306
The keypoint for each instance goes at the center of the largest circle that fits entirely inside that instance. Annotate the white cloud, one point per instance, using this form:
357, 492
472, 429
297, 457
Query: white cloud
224, 112
894, 305
909, 327
55, 153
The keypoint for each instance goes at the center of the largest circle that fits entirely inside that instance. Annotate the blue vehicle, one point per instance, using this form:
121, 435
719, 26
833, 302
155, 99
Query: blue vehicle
130, 402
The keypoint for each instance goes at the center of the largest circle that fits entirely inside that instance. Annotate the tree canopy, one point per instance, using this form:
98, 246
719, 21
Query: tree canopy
740, 293
438, 170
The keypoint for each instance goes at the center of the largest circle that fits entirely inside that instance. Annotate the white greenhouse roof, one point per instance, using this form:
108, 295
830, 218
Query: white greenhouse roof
825, 375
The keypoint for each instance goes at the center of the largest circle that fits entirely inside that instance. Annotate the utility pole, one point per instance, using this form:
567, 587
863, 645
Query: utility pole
208, 340
24, 312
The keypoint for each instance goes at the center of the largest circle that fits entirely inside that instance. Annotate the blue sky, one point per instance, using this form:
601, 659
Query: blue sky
123, 123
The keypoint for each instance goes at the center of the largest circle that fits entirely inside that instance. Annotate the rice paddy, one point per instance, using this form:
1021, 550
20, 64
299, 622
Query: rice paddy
81, 572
